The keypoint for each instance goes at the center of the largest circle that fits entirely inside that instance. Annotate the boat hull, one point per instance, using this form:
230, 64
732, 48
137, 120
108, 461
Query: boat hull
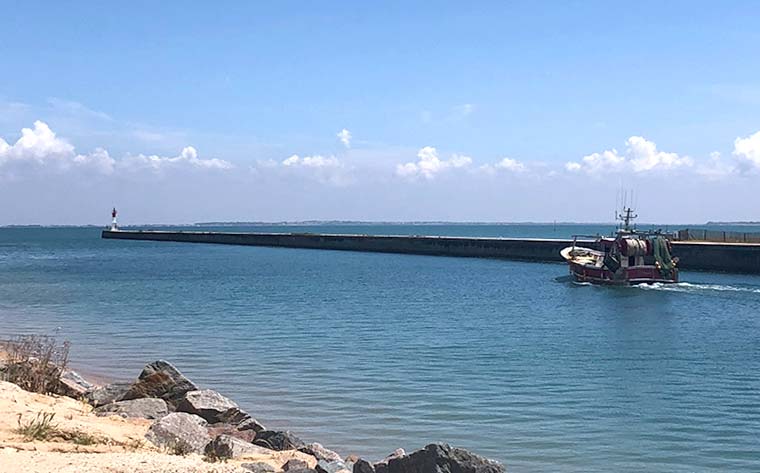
589, 267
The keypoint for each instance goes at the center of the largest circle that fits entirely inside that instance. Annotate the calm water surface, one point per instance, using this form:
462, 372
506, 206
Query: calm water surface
368, 352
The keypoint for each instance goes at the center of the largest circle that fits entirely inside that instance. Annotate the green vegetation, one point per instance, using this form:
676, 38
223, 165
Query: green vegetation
42, 428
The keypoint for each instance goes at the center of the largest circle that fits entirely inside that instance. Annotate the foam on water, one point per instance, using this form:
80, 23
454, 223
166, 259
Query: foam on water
688, 287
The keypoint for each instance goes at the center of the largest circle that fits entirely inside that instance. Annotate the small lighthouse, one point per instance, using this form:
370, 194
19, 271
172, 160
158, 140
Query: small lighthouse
114, 225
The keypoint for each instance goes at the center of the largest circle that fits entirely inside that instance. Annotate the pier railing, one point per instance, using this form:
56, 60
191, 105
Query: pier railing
719, 236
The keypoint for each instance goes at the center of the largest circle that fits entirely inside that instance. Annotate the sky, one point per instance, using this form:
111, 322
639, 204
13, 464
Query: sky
177, 112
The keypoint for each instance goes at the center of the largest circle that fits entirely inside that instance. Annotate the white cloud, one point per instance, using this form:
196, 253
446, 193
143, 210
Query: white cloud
316, 161
429, 164
598, 163
345, 137
40, 147
98, 160
36, 144
510, 165
646, 157
506, 164
324, 169
640, 156
187, 158
747, 152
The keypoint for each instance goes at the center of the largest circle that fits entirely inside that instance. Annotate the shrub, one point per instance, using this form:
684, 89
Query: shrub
36, 362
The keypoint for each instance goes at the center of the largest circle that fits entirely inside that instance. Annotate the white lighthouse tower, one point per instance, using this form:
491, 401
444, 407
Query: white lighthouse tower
114, 225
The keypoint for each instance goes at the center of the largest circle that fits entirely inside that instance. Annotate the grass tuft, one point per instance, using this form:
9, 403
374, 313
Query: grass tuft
39, 428
42, 428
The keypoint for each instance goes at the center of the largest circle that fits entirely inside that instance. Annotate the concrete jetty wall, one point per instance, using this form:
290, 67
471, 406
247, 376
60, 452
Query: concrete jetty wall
724, 257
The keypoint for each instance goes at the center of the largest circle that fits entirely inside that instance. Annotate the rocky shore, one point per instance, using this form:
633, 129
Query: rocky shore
162, 421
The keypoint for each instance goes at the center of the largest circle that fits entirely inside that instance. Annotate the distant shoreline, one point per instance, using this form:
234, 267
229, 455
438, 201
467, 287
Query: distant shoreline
747, 223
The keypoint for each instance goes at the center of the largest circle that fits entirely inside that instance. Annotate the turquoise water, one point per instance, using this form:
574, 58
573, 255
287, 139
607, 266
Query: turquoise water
369, 352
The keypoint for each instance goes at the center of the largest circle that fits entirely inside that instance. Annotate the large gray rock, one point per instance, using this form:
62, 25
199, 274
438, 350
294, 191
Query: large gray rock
179, 432
442, 458
160, 379
363, 466
324, 466
241, 419
210, 405
278, 440
258, 467
225, 447
382, 466
320, 453
295, 464
147, 408
215, 430
102, 395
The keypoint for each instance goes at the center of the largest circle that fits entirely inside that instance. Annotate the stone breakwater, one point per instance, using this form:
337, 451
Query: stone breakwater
700, 256
187, 419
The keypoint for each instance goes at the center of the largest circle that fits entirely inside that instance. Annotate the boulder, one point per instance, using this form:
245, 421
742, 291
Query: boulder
258, 467
442, 458
382, 466
278, 440
295, 464
215, 430
363, 466
71, 384
210, 405
107, 394
146, 408
320, 453
225, 447
179, 432
241, 419
251, 424
160, 379
324, 466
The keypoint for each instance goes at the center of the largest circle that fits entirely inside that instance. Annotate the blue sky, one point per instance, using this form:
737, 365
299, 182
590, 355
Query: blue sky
499, 111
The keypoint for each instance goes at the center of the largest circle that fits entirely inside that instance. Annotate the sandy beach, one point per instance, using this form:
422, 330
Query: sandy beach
121, 444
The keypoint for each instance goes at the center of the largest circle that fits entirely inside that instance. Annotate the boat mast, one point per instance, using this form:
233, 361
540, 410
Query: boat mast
626, 217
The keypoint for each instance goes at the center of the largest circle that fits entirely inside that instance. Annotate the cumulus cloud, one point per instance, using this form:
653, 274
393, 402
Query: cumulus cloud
641, 155
187, 158
429, 164
316, 161
40, 148
747, 152
506, 164
323, 169
345, 137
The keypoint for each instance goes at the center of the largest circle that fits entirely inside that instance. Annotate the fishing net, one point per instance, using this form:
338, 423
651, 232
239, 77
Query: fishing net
662, 256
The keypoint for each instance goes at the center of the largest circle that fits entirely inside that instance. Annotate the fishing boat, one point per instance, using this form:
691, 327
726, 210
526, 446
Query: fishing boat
627, 258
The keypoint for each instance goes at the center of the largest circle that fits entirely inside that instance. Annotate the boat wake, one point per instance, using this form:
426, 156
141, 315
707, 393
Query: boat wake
694, 288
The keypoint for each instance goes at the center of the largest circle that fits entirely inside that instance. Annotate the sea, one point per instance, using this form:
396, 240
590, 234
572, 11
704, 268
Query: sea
367, 352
